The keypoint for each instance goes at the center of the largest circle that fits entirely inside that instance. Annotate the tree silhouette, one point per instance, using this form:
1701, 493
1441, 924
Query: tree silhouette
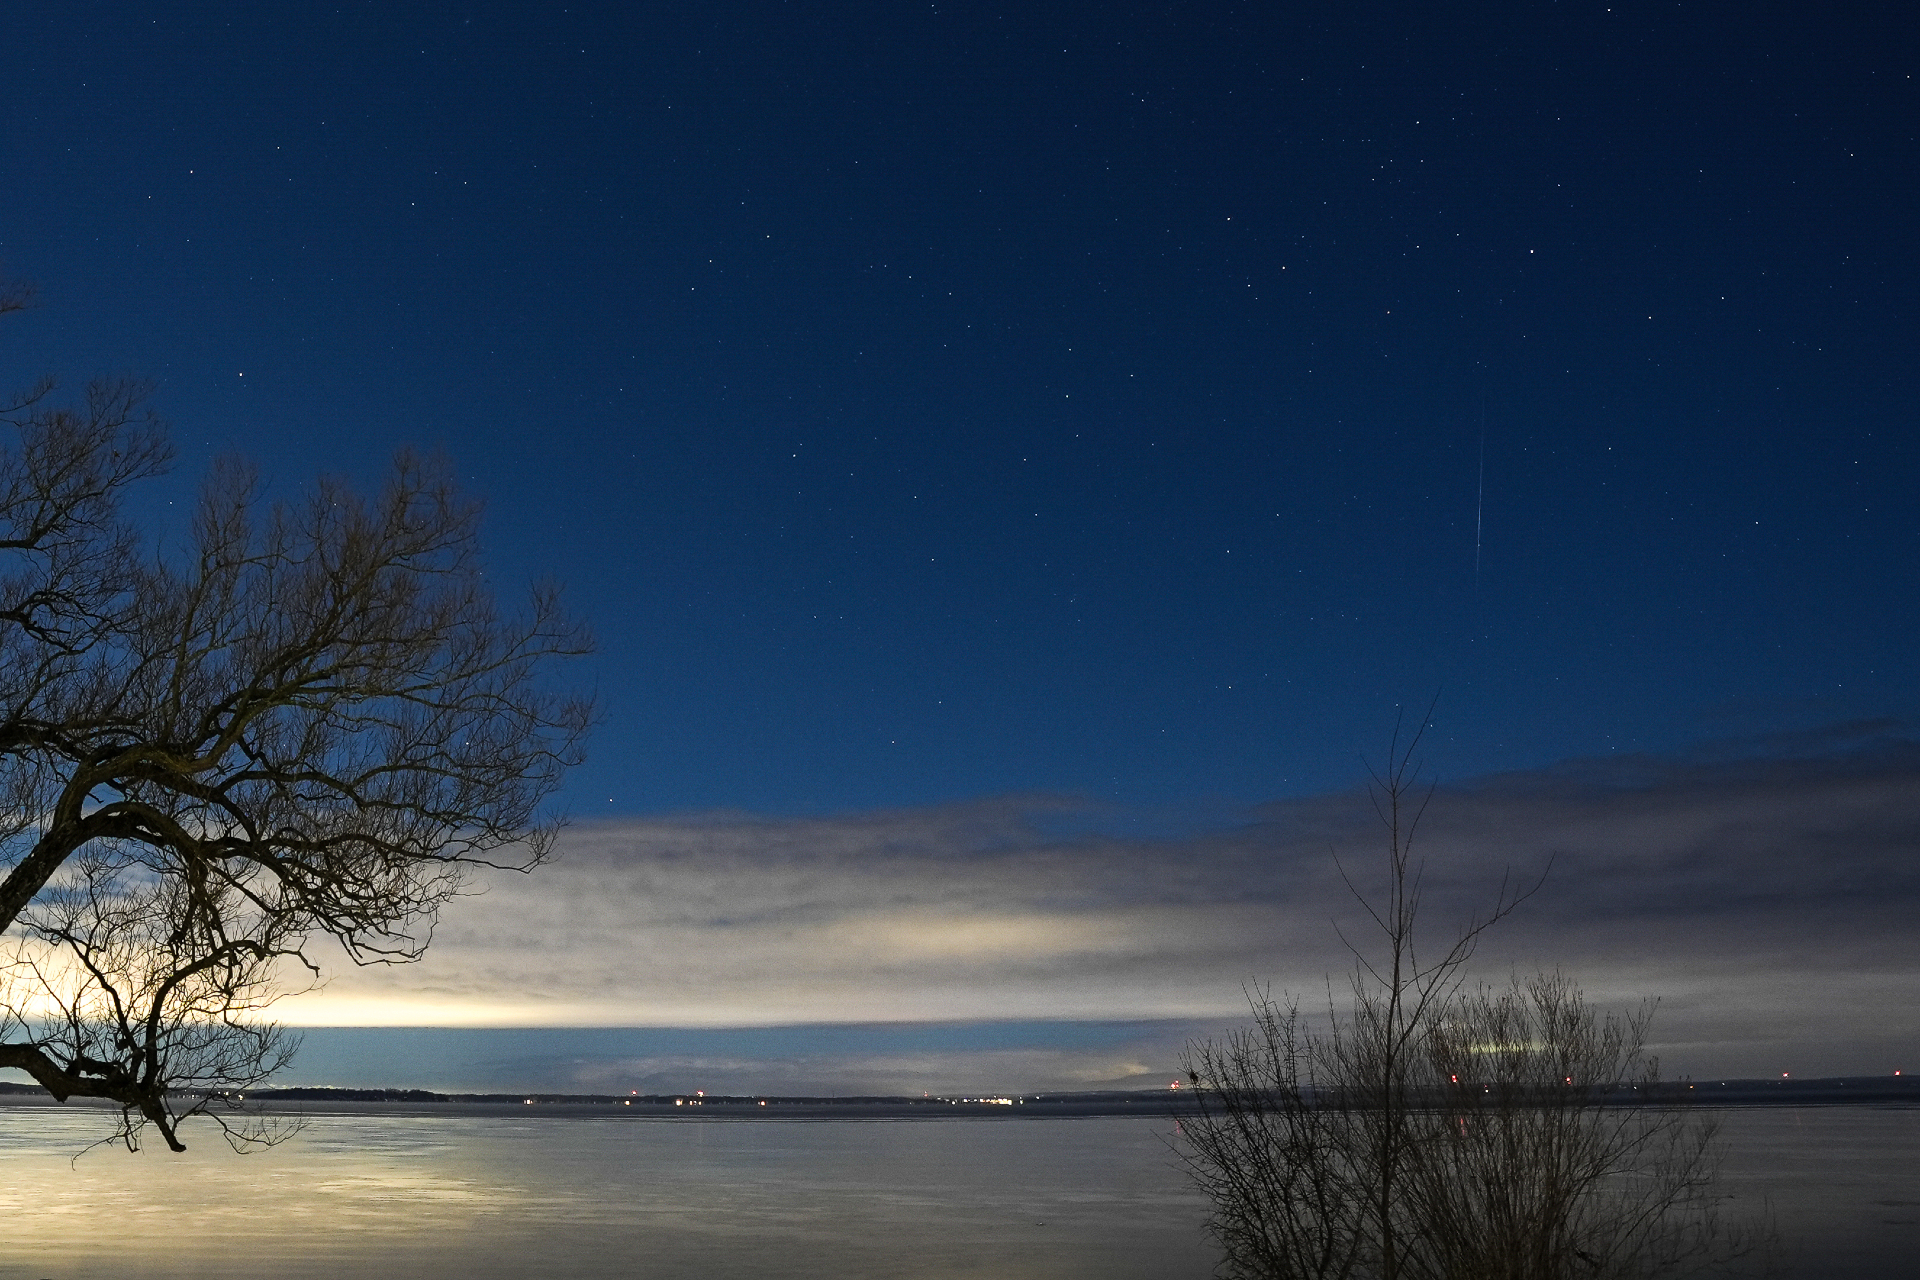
307, 723
1434, 1131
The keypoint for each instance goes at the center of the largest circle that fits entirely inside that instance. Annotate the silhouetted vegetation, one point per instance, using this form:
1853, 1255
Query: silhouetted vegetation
1433, 1131
308, 721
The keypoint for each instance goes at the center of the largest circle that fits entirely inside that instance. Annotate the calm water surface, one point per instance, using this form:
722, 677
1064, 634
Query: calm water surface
490, 1196
485, 1196
1842, 1183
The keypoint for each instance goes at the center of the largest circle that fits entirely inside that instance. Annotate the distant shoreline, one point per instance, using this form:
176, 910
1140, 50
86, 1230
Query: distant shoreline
1834, 1091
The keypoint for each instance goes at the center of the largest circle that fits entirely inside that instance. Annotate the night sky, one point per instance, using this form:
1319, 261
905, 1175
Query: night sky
1126, 407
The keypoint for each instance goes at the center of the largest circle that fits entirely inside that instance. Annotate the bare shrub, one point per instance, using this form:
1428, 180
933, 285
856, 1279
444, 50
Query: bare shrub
1547, 1153
1436, 1132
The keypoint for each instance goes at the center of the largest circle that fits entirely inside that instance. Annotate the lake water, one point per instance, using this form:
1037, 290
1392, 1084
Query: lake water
424, 1197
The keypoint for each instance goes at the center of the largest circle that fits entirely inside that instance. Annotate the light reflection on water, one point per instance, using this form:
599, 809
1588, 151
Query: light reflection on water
496, 1196
1843, 1184
491, 1196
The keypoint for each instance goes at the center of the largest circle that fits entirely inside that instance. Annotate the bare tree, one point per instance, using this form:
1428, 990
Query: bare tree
1275, 1152
1373, 1057
306, 724
1303, 1142
1545, 1156
1436, 1133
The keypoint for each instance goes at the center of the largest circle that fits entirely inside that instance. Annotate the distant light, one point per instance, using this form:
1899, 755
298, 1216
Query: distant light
763, 1102
626, 1102
1783, 1075
529, 1101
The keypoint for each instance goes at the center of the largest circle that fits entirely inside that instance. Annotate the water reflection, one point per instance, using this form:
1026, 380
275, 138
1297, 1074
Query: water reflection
488, 1196
496, 1196
1843, 1184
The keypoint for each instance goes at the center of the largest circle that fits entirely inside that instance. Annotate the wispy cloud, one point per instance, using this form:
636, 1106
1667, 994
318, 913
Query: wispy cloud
1765, 895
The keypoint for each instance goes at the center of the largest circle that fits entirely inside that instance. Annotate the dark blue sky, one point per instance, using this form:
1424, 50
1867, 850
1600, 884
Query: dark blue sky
928, 401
